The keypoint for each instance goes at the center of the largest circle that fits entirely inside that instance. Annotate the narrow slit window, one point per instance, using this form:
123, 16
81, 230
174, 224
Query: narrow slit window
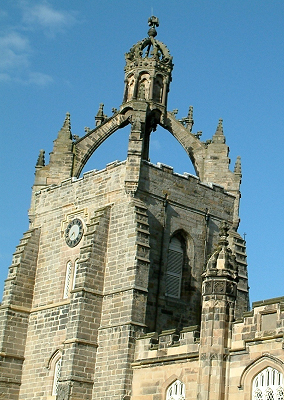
75, 273
57, 370
68, 277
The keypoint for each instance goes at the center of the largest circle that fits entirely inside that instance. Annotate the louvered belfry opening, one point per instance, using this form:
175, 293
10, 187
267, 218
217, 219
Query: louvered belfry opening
174, 268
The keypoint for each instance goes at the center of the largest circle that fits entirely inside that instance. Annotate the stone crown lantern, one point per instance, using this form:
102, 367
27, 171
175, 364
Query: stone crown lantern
148, 71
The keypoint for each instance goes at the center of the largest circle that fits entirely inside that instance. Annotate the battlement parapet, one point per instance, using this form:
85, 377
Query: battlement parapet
264, 322
168, 343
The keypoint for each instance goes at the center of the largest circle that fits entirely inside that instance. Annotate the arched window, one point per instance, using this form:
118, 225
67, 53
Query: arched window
57, 370
158, 88
176, 391
174, 268
143, 87
268, 385
130, 88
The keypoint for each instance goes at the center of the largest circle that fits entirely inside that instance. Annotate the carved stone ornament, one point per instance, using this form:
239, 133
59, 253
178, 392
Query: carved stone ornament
230, 288
219, 287
207, 287
63, 391
214, 356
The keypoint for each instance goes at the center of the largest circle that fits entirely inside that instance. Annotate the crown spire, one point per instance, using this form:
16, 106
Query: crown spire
148, 71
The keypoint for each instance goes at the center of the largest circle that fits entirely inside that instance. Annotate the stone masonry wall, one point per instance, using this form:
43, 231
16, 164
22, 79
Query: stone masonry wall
48, 324
124, 301
160, 360
114, 298
256, 343
188, 202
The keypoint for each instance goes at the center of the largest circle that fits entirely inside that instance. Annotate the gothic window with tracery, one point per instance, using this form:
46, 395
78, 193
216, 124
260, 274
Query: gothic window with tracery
176, 391
268, 385
57, 370
279, 393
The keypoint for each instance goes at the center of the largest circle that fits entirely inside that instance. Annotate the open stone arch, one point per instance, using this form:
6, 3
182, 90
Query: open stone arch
193, 147
86, 146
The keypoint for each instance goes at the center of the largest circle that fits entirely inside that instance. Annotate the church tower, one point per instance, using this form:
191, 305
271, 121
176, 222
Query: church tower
119, 252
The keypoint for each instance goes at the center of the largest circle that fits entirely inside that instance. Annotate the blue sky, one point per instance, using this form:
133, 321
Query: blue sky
68, 56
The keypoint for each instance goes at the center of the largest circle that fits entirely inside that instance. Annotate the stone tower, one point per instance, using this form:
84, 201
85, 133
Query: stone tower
119, 252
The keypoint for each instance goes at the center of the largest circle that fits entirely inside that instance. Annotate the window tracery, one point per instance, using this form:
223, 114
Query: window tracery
176, 391
57, 370
268, 385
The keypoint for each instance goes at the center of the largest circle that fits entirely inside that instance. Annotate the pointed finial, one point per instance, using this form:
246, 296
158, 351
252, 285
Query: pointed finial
153, 22
219, 137
67, 123
100, 115
41, 161
238, 166
222, 258
189, 120
220, 126
65, 131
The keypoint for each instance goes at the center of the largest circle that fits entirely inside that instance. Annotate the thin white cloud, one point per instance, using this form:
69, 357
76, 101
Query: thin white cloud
44, 16
16, 42
14, 50
39, 79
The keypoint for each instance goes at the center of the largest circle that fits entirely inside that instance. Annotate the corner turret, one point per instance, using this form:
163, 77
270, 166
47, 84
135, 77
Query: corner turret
219, 291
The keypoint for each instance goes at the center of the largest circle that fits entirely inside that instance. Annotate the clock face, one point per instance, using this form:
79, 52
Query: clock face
74, 232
